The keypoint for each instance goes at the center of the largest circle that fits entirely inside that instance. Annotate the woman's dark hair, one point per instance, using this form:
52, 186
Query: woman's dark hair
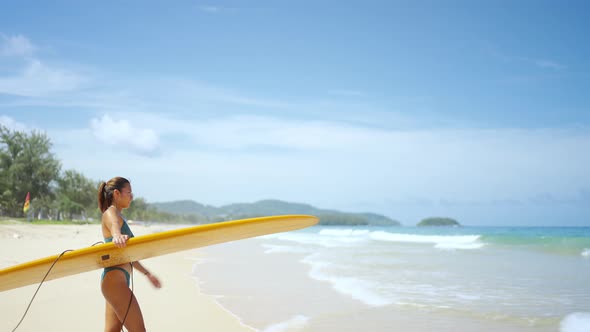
106, 189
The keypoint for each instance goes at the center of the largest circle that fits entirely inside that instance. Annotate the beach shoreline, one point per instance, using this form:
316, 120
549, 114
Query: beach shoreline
278, 292
75, 303
305, 281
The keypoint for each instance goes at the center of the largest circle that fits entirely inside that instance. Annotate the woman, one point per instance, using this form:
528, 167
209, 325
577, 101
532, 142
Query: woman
121, 305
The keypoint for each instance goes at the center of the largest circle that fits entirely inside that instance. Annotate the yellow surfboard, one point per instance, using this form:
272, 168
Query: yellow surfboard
146, 246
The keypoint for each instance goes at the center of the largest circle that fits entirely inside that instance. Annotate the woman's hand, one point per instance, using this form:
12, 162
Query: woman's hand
120, 240
154, 280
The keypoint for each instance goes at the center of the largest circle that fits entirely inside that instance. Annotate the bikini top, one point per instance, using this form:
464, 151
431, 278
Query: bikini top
124, 230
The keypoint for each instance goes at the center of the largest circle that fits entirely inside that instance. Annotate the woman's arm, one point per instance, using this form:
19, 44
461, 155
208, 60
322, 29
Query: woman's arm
110, 218
152, 278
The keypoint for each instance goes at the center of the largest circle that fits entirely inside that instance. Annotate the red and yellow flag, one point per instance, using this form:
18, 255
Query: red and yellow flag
27, 203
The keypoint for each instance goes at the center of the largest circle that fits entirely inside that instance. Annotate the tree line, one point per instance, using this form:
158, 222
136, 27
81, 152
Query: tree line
28, 165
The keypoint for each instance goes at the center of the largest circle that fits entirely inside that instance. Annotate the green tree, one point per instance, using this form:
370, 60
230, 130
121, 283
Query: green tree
76, 195
45, 207
26, 165
139, 210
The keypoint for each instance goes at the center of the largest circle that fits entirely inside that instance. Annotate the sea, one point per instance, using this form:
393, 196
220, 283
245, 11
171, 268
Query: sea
367, 278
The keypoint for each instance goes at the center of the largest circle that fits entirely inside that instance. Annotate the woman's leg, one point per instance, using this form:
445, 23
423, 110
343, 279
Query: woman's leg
111, 321
117, 294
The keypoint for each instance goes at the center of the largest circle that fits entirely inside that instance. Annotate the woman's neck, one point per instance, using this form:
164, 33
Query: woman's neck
117, 208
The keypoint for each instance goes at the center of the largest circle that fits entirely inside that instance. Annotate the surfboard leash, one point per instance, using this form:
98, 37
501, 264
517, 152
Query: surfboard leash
130, 298
40, 284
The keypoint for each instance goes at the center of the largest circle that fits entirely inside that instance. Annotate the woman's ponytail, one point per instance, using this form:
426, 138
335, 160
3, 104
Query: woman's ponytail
106, 189
102, 200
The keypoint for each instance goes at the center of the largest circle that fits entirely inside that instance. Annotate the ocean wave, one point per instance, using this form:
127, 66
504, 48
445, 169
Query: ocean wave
575, 322
344, 232
361, 290
322, 240
331, 238
439, 241
586, 252
297, 322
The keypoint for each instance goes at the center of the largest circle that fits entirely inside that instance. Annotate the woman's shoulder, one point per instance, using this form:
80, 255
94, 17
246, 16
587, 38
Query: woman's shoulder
110, 214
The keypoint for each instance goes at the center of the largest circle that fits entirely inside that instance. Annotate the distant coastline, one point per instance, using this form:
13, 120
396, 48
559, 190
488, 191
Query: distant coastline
207, 213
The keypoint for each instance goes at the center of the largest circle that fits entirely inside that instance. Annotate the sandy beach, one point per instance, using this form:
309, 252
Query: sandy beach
76, 304
318, 279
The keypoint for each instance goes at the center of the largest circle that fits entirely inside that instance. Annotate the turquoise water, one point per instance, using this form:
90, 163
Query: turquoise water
522, 276
564, 240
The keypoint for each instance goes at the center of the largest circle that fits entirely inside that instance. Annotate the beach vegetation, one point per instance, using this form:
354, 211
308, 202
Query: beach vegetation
27, 165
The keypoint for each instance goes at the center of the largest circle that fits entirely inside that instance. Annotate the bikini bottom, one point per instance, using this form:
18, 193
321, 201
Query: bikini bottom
109, 269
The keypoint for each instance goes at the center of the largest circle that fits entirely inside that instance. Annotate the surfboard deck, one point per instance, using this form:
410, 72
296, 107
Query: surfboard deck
146, 246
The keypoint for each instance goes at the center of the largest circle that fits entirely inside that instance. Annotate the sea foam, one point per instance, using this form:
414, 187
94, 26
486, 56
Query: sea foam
297, 322
439, 241
576, 322
586, 253
344, 232
361, 290
327, 240
332, 238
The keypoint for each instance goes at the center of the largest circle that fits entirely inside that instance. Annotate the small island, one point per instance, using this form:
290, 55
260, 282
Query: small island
437, 221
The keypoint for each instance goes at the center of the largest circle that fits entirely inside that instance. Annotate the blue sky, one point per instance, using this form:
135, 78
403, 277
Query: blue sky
477, 110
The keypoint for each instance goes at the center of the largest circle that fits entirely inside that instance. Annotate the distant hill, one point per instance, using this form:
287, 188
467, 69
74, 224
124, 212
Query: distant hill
436, 221
271, 207
187, 207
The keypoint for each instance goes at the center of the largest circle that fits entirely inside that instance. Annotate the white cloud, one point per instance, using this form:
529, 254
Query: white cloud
453, 165
188, 90
120, 134
89, 91
405, 174
12, 124
38, 79
16, 46
244, 132
250, 133
221, 152
31, 77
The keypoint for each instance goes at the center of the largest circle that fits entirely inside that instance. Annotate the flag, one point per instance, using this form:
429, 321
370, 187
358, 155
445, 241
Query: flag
27, 203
